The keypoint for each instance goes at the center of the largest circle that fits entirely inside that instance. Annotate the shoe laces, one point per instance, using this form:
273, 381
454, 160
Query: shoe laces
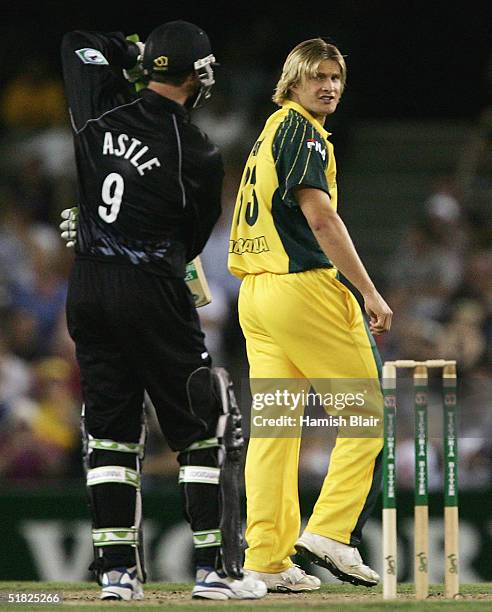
115, 575
203, 572
294, 574
353, 557
357, 557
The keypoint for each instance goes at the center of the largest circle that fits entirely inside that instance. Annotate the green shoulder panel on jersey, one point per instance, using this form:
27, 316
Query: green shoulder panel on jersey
300, 155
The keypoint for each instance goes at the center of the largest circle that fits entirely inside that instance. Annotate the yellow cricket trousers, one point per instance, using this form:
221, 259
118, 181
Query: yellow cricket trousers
306, 325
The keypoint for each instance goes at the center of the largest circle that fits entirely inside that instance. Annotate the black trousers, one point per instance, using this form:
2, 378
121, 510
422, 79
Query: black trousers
136, 331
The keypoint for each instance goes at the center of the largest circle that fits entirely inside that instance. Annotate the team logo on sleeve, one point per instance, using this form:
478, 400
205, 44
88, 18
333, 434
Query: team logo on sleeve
313, 143
92, 56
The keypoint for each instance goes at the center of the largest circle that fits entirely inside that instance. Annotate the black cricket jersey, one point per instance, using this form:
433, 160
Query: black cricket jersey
149, 181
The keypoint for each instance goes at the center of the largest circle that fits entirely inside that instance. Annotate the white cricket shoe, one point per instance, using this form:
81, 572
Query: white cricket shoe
341, 560
210, 585
292, 580
121, 583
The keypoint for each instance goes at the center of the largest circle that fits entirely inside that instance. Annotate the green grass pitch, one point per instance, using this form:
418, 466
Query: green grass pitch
333, 597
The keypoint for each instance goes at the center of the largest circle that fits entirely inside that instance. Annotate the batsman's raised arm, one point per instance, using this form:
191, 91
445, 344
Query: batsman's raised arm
93, 65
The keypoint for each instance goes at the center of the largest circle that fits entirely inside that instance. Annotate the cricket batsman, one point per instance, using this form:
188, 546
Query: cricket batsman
149, 192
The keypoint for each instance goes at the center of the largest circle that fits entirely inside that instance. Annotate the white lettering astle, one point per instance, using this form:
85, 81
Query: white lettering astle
129, 148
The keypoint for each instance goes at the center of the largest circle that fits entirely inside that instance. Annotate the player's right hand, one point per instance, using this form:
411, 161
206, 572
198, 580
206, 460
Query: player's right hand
380, 314
68, 226
136, 74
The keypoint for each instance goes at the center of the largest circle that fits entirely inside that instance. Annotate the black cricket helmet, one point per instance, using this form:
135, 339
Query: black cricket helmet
178, 47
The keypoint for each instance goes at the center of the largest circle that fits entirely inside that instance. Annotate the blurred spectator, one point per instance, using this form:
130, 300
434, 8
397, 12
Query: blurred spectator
44, 298
16, 240
63, 346
34, 190
216, 317
447, 218
425, 270
39, 439
227, 125
23, 460
33, 99
473, 297
212, 318
54, 147
21, 238
56, 423
22, 334
462, 337
214, 256
475, 463
15, 381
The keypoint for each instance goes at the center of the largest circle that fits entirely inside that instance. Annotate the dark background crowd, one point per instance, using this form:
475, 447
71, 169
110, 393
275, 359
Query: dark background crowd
413, 142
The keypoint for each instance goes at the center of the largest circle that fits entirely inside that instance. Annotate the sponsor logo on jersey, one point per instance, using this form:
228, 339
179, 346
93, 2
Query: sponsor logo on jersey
313, 143
92, 56
248, 245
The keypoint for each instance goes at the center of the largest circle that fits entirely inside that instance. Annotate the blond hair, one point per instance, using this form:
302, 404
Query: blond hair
303, 62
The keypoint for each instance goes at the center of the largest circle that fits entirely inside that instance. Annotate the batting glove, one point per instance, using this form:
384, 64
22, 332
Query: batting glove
68, 226
136, 74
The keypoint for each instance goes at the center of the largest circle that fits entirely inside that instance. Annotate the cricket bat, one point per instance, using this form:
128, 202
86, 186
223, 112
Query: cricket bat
197, 283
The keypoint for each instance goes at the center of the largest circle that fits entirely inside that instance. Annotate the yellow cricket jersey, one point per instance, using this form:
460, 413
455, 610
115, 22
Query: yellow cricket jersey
269, 231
